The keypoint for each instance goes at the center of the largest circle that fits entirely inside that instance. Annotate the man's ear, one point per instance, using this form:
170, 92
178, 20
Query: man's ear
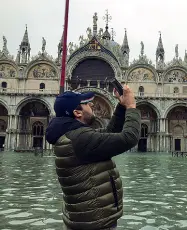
77, 113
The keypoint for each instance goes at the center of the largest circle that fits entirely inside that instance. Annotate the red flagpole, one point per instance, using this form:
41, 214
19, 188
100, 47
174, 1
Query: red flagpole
64, 48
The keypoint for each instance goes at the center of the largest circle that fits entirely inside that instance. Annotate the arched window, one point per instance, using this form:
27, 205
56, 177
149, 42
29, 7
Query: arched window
141, 91
38, 129
4, 85
42, 86
144, 130
176, 90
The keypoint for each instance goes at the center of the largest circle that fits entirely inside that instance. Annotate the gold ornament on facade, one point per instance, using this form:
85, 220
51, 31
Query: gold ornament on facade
42, 71
176, 76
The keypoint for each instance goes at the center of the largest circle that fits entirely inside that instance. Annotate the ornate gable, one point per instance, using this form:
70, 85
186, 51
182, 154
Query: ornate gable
93, 46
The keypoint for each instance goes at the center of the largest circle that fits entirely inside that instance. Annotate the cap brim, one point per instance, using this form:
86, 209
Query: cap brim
87, 97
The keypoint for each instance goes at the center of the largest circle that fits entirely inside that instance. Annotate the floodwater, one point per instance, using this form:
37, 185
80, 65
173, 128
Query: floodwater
155, 192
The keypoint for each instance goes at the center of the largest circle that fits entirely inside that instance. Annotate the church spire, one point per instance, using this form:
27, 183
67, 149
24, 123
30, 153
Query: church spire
160, 54
125, 45
24, 50
106, 35
125, 49
25, 40
160, 49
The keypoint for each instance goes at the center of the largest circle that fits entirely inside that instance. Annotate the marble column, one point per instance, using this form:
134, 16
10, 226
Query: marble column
148, 144
88, 83
18, 131
98, 84
13, 125
167, 125
158, 125
151, 144
157, 143
9, 127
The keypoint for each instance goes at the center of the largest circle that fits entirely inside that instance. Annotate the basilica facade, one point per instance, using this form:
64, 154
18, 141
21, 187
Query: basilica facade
29, 86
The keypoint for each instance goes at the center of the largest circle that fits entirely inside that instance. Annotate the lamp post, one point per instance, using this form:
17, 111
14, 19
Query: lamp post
64, 48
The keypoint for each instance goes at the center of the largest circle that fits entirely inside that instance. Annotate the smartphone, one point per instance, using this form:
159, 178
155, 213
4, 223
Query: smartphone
117, 85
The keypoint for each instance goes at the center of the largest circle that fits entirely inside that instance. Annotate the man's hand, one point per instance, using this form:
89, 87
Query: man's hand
127, 99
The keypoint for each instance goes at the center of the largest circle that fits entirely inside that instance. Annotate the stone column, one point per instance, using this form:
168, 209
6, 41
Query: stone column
164, 125
151, 144
13, 126
158, 125
164, 143
30, 140
98, 84
167, 125
157, 143
161, 122
9, 134
18, 131
148, 143
167, 144
171, 143
88, 83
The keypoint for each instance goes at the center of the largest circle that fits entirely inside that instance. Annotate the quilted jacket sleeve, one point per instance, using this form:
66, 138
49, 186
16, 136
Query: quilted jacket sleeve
90, 145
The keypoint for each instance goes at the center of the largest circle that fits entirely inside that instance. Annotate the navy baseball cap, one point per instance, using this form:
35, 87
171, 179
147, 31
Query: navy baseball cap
68, 101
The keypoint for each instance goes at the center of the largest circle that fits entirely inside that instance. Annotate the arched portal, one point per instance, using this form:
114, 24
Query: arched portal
177, 127
33, 120
3, 125
92, 71
148, 128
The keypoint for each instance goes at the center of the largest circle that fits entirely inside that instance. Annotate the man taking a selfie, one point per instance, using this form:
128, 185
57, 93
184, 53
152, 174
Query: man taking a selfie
91, 184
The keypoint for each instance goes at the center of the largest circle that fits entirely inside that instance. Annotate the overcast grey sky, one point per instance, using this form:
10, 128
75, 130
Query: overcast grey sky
143, 20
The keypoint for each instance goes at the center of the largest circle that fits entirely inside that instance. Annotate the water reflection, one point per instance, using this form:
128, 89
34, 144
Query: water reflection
29, 193
155, 192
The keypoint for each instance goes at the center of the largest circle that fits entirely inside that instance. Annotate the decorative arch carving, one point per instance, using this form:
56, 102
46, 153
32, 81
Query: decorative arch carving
141, 73
177, 117
27, 100
101, 108
74, 61
152, 106
8, 69
177, 113
171, 107
175, 75
42, 70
